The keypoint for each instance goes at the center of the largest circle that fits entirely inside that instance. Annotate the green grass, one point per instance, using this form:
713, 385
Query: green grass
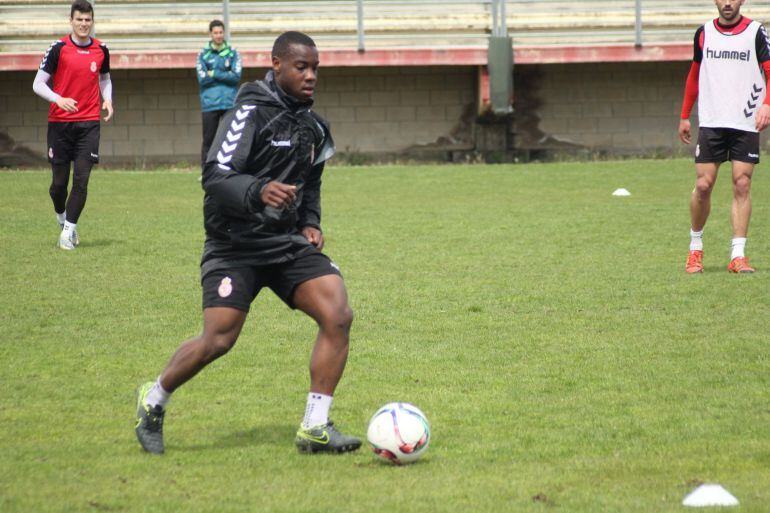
565, 360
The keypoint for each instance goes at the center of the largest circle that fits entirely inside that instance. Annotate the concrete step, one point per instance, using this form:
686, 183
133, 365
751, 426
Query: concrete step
30, 25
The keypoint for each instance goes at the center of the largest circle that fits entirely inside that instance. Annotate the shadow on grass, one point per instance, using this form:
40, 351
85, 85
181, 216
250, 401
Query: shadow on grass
382, 463
269, 434
96, 243
721, 269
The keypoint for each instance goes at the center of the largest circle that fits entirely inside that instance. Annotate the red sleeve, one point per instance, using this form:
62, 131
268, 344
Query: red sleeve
766, 67
690, 90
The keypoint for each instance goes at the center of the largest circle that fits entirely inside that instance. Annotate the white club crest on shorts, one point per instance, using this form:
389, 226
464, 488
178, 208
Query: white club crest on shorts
50, 152
697, 150
225, 287
93, 66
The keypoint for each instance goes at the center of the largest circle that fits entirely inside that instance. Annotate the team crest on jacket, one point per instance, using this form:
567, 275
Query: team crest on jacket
93, 66
225, 287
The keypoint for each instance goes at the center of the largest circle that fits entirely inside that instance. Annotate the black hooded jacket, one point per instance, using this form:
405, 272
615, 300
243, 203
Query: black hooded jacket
267, 136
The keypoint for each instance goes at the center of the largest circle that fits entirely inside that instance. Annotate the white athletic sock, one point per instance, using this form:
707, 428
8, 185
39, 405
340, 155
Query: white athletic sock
317, 409
60, 218
157, 396
696, 240
66, 233
739, 246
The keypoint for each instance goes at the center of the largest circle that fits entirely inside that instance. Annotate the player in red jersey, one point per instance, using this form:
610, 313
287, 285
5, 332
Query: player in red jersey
80, 68
729, 78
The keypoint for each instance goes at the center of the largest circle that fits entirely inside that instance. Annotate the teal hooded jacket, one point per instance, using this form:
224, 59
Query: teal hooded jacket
219, 73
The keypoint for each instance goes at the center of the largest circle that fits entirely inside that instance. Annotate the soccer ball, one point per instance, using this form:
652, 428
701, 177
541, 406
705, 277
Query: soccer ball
399, 432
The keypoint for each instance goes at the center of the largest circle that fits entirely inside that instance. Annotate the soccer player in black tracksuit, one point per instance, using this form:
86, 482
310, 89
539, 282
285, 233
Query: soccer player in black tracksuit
262, 217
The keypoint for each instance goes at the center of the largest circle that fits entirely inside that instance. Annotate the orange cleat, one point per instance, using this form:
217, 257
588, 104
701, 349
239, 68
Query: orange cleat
740, 265
694, 262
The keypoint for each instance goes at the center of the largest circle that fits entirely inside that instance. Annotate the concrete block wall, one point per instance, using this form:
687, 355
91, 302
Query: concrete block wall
624, 108
157, 112
613, 108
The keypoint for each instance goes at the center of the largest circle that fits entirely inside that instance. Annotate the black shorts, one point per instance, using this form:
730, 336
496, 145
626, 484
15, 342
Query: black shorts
70, 141
722, 144
238, 286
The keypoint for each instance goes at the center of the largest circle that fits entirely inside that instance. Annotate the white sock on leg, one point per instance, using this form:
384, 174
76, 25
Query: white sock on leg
317, 409
60, 218
157, 396
696, 240
738, 247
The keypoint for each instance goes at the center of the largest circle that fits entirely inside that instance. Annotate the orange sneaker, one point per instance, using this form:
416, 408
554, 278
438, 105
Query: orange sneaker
694, 262
740, 265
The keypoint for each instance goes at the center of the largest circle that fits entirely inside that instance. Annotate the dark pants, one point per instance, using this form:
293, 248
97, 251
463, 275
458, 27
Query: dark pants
210, 124
73, 204
68, 143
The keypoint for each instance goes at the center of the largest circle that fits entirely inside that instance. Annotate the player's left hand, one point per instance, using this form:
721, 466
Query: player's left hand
763, 117
314, 236
684, 131
107, 105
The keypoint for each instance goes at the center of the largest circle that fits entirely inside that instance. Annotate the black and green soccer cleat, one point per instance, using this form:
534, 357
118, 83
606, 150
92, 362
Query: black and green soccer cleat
325, 438
149, 422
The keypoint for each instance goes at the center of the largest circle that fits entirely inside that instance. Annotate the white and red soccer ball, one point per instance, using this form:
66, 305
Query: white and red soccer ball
399, 432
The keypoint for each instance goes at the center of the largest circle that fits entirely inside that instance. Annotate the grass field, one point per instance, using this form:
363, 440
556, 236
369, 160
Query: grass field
565, 360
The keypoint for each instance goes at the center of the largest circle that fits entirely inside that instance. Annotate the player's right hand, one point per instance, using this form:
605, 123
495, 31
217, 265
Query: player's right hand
684, 131
67, 104
278, 195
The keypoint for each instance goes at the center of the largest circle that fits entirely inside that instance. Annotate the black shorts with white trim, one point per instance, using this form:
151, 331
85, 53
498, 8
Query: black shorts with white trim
70, 141
723, 144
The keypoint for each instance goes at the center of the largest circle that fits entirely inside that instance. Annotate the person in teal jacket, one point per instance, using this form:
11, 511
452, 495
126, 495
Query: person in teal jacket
219, 72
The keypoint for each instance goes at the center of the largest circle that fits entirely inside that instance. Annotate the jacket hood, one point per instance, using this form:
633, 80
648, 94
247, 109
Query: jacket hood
267, 92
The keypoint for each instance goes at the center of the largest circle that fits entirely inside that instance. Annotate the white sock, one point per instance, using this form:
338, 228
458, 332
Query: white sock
66, 233
157, 396
317, 409
60, 218
739, 246
696, 240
